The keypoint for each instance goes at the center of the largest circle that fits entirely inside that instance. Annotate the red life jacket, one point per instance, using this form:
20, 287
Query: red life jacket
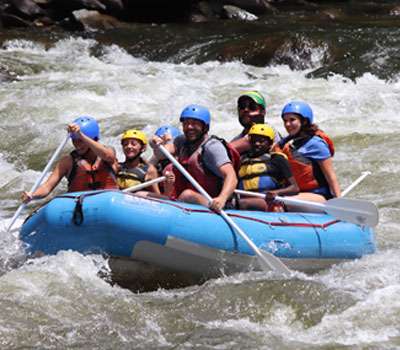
194, 165
307, 173
85, 176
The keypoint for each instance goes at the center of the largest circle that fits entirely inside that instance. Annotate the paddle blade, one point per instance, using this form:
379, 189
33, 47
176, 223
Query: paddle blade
269, 262
357, 211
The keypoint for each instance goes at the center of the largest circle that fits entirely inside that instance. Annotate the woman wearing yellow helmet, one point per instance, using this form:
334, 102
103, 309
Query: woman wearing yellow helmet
134, 170
264, 172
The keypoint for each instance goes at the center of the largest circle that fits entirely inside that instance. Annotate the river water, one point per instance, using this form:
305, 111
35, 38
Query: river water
62, 302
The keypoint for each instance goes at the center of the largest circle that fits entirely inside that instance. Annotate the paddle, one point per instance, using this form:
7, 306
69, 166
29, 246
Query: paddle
357, 211
266, 260
144, 184
364, 174
39, 180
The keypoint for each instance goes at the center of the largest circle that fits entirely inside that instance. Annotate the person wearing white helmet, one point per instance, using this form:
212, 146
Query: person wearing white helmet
91, 166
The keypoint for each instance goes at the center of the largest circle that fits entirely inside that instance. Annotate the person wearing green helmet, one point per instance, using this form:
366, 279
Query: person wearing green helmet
251, 109
90, 166
135, 170
264, 171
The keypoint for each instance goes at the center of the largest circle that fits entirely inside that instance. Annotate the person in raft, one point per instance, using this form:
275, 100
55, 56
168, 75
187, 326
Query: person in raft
164, 166
309, 151
264, 172
251, 109
135, 170
206, 158
90, 166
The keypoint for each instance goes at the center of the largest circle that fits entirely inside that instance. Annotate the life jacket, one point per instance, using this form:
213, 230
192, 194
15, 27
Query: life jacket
255, 173
85, 176
128, 177
195, 166
307, 173
327, 139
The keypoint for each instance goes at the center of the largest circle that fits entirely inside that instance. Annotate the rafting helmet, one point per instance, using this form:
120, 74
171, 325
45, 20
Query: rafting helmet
301, 108
262, 130
196, 112
162, 130
134, 134
255, 96
88, 126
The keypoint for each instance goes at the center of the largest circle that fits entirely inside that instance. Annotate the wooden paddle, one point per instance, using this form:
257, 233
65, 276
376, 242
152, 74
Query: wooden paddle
266, 260
39, 180
356, 211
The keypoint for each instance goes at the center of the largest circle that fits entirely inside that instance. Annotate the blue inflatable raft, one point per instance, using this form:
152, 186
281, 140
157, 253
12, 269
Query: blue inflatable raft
189, 238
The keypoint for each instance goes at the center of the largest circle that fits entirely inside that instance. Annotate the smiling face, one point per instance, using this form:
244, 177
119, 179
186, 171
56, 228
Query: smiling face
80, 147
250, 112
292, 123
193, 129
132, 148
260, 144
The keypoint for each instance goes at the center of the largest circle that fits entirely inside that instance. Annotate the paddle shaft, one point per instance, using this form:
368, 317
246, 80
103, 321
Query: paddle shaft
355, 183
352, 210
144, 184
40, 179
266, 262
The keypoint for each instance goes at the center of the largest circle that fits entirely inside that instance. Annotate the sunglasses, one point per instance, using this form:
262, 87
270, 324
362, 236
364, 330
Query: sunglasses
249, 104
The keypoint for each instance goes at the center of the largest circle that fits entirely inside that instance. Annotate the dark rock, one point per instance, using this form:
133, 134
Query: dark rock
158, 11
27, 8
395, 11
258, 52
43, 22
113, 6
92, 20
9, 21
332, 14
257, 7
197, 18
72, 5
233, 12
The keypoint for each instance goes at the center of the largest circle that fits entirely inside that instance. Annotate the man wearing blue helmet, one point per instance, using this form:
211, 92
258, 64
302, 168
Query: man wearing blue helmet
90, 166
310, 152
205, 158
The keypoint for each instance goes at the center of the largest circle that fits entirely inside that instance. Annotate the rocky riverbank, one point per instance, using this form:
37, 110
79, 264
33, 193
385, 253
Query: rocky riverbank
105, 14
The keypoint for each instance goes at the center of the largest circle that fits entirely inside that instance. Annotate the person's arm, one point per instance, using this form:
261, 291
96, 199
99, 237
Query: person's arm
326, 166
242, 144
151, 174
229, 185
105, 153
289, 190
61, 169
157, 154
284, 174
